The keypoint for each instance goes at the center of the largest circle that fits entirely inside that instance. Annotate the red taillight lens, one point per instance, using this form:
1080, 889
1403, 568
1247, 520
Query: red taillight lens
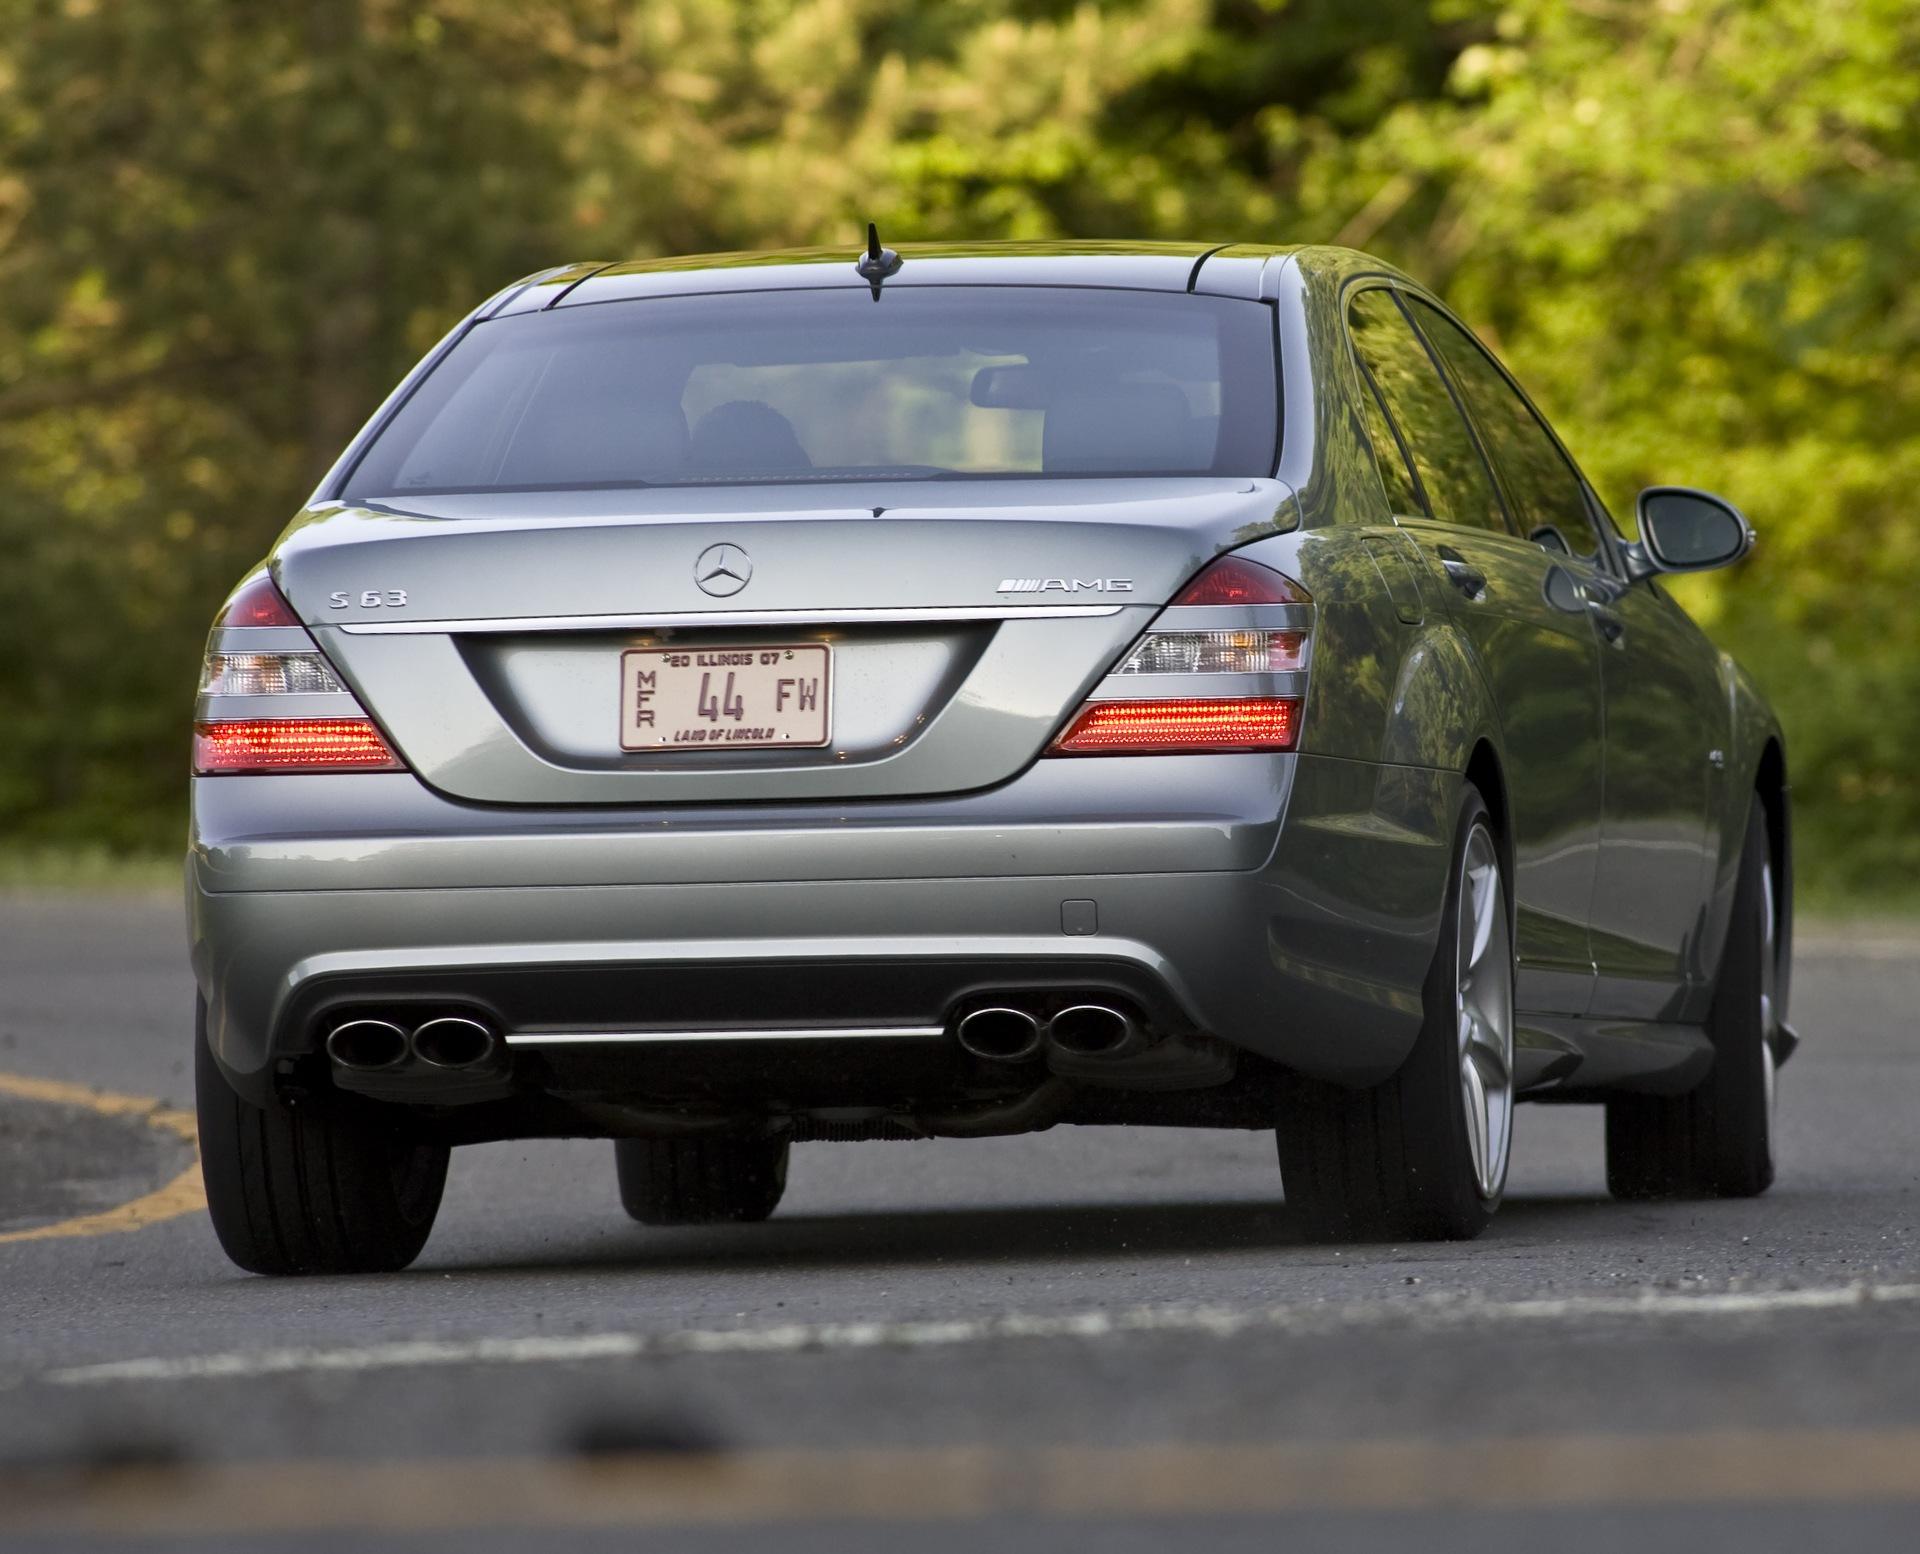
1187, 723
291, 745
258, 603
1235, 580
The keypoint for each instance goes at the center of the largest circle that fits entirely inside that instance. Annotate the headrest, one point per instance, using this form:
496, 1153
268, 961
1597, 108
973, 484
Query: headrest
745, 434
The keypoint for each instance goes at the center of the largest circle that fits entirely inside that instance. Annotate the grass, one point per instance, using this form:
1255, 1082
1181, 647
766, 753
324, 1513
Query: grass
89, 869
1817, 901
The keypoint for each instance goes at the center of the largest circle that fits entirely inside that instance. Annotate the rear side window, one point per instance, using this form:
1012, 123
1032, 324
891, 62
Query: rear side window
945, 383
1395, 473
1454, 476
1548, 497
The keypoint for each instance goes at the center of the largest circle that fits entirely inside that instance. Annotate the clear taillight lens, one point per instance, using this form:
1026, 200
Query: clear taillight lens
1217, 652
268, 674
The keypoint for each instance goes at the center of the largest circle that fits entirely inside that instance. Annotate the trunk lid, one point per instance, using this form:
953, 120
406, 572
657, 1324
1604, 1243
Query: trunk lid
966, 621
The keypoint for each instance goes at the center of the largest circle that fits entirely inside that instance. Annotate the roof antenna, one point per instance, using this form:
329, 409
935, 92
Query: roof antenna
877, 263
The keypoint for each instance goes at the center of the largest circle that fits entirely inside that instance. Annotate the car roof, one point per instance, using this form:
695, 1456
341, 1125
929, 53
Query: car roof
1228, 269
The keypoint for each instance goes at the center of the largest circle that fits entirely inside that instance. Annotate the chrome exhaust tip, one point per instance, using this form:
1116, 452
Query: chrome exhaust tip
1091, 1031
454, 1041
999, 1035
367, 1044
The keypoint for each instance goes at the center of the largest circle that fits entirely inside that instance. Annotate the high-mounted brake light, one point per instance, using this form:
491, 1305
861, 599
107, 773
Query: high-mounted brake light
1235, 580
1182, 725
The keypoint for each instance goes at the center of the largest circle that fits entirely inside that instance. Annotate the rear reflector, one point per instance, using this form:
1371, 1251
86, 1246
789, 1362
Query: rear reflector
258, 603
1235, 580
1185, 724
291, 745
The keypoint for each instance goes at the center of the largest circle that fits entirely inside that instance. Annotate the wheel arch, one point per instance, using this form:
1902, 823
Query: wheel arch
1483, 770
1770, 787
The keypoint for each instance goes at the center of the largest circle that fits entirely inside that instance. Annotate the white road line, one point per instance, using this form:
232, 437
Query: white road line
794, 1338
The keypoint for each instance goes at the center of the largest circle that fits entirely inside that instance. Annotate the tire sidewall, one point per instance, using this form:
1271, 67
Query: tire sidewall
1740, 1132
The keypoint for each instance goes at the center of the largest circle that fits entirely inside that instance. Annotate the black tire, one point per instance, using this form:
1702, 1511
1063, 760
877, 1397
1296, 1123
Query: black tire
1395, 1162
312, 1190
1716, 1141
717, 1180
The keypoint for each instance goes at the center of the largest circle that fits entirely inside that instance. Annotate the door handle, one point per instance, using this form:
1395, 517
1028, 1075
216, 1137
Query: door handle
1469, 579
1609, 625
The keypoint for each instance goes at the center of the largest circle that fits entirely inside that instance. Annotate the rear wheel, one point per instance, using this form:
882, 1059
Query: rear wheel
1716, 1141
701, 1181
311, 1190
1423, 1156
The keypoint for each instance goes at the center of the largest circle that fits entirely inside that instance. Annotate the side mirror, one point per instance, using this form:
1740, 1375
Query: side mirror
1682, 530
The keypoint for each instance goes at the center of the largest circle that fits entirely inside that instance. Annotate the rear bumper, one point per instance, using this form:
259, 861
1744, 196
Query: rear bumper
1285, 905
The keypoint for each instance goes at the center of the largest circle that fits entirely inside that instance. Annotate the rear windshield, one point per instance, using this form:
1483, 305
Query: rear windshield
939, 383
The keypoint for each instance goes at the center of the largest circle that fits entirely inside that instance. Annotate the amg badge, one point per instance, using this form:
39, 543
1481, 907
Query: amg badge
1065, 585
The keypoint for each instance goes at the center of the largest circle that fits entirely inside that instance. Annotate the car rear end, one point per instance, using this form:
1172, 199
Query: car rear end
854, 716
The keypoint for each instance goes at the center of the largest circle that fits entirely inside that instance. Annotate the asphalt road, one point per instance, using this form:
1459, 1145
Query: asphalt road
1088, 1338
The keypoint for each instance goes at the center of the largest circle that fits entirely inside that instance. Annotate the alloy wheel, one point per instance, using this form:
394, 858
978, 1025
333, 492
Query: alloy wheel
1483, 1003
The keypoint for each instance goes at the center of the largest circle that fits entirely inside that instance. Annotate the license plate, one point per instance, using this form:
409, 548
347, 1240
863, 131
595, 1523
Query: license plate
737, 698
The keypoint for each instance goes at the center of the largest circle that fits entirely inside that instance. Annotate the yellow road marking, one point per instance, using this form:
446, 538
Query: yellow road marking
183, 1195
966, 1482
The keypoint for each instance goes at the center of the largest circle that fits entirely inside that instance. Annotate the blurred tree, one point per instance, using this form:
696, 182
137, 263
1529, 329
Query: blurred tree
1694, 228
226, 228
223, 229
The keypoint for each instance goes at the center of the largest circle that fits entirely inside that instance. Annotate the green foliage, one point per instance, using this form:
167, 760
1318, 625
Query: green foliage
1693, 229
225, 228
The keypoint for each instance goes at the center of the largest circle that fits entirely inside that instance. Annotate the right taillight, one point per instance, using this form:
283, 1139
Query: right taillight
1239, 684
270, 701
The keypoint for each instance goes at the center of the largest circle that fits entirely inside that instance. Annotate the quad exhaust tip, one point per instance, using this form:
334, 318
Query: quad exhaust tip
453, 1041
367, 1044
1000, 1035
450, 1041
1091, 1030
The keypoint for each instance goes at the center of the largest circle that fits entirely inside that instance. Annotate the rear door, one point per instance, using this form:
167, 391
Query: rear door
1662, 704
1668, 723
1519, 603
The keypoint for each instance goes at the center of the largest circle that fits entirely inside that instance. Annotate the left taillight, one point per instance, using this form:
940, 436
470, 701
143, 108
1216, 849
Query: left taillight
1223, 668
270, 702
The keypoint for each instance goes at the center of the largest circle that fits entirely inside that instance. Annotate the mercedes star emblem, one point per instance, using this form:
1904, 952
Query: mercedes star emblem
723, 570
